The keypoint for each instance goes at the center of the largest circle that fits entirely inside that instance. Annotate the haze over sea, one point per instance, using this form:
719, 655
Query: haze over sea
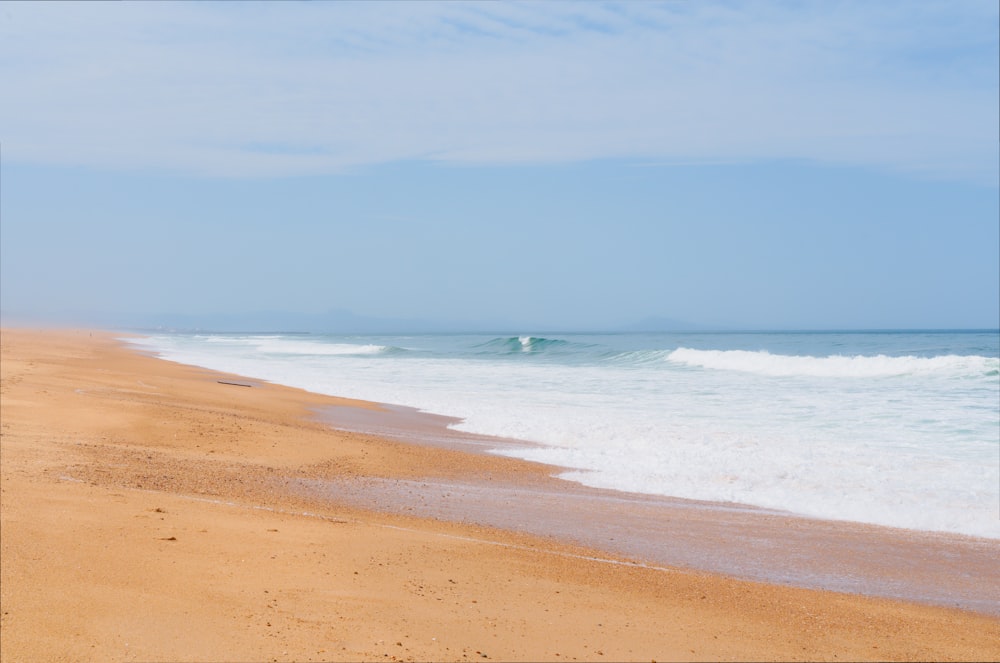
897, 428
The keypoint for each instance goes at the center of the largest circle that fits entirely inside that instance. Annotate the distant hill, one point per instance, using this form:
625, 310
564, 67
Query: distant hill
336, 321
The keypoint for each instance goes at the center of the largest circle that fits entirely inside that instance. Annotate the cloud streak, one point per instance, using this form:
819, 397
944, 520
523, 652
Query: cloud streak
294, 89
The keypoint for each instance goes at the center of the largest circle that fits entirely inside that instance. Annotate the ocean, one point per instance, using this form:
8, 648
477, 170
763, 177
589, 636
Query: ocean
896, 428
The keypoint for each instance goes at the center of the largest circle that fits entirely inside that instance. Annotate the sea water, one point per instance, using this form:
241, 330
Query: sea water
891, 428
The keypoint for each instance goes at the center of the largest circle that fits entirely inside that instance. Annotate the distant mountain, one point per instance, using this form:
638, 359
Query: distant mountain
336, 321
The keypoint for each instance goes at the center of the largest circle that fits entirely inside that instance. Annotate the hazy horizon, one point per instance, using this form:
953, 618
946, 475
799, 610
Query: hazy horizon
347, 323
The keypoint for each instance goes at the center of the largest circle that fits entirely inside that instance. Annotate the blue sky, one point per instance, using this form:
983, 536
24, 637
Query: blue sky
537, 165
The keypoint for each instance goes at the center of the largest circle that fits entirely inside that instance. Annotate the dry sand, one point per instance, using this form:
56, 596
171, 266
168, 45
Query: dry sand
149, 512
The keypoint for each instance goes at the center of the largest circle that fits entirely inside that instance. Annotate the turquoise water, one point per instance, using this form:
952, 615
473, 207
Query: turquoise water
892, 428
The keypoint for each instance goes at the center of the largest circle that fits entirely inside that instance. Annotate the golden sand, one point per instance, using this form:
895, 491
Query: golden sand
147, 513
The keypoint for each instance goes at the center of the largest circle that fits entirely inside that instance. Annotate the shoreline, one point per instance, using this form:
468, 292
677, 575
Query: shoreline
903, 447
103, 445
731, 539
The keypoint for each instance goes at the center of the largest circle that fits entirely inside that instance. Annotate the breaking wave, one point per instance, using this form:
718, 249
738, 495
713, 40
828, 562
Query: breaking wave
765, 363
524, 344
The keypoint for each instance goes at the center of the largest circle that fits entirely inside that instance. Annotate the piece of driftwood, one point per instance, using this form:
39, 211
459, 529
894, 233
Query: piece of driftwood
235, 384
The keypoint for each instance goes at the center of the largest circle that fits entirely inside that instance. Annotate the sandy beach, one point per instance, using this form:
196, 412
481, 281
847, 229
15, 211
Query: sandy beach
157, 512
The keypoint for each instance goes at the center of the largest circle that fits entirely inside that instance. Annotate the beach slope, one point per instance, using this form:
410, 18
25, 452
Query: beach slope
149, 511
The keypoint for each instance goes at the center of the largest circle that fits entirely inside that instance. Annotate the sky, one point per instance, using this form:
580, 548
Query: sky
543, 165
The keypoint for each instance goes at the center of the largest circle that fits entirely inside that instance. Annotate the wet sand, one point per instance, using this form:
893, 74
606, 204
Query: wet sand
148, 511
737, 540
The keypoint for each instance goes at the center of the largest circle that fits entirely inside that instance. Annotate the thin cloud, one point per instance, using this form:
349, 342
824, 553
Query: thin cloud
289, 89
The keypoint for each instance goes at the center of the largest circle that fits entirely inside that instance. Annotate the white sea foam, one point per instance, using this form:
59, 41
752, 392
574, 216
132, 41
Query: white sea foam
765, 363
294, 345
313, 348
885, 437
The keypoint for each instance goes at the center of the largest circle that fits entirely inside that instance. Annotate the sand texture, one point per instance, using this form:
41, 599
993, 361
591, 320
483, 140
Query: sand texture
149, 512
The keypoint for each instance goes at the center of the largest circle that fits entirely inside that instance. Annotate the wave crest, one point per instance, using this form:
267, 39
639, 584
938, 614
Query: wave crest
519, 344
765, 363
